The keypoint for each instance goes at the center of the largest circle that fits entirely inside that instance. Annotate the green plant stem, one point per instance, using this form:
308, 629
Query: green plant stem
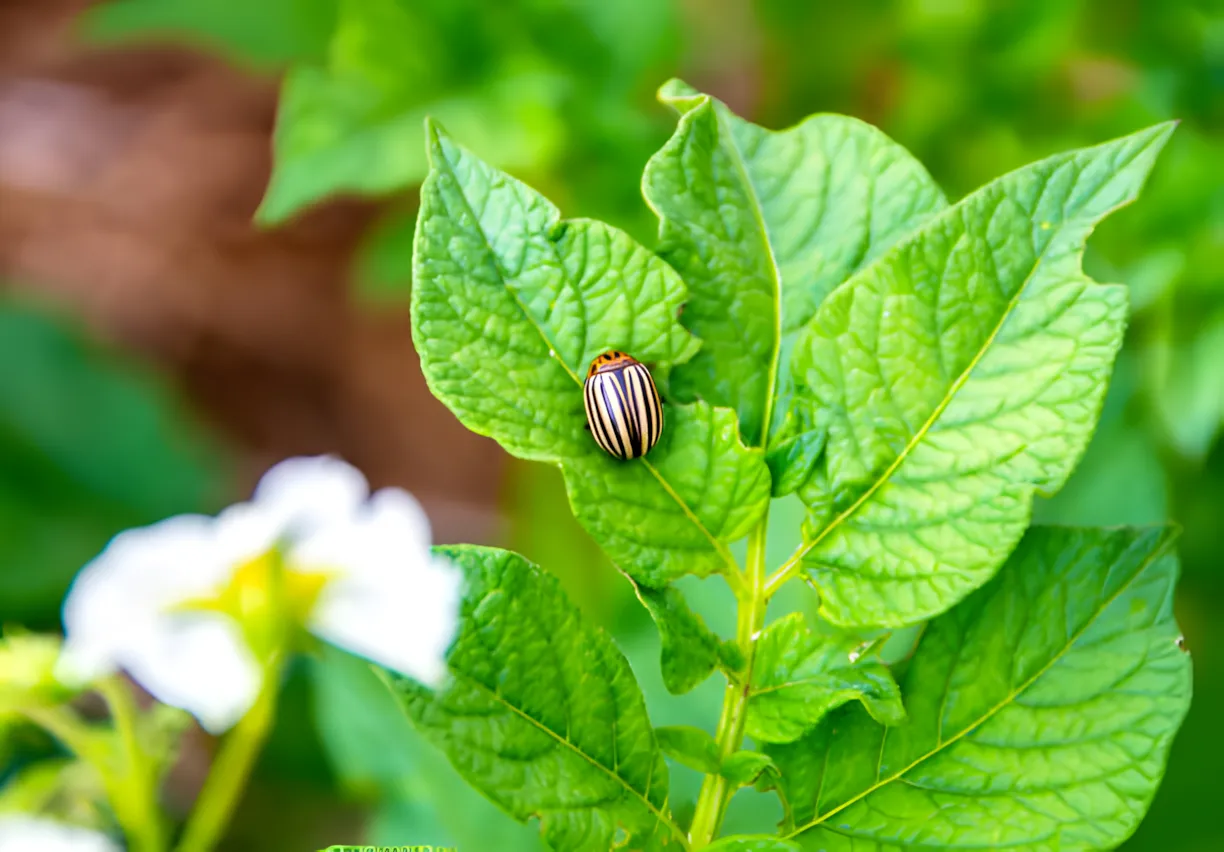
716, 791
228, 776
62, 724
130, 782
783, 574
135, 791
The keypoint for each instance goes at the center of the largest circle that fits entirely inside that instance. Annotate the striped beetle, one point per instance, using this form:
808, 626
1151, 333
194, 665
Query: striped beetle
623, 409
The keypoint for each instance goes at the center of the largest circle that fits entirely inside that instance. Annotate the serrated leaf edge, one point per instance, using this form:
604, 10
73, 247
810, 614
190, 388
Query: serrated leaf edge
643, 797
949, 396
1165, 546
435, 133
704, 104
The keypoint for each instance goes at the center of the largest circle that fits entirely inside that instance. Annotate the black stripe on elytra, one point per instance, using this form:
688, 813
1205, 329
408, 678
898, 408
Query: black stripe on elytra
646, 411
615, 413
628, 387
588, 394
641, 408
650, 405
598, 427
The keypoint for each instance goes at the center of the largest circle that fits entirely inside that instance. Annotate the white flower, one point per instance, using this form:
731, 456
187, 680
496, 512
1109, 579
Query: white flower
25, 833
178, 604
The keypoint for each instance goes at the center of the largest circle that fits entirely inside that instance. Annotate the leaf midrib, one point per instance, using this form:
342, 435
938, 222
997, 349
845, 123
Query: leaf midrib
540, 726
1147, 562
758, 213
719, 548
922, 431
811, 680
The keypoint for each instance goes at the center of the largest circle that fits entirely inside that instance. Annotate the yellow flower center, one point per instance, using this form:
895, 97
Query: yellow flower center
267, 599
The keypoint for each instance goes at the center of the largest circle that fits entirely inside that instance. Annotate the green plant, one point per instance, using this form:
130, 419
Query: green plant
916, 372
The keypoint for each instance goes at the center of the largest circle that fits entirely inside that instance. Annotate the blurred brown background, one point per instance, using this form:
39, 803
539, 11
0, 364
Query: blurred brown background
128, 181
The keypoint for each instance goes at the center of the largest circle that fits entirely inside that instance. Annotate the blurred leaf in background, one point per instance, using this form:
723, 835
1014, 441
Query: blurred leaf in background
539, 85
263, 34
90, 444
559, 89
353, 124
382, 276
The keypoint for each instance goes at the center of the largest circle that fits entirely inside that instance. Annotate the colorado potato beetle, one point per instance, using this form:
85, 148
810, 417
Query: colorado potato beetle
623, 408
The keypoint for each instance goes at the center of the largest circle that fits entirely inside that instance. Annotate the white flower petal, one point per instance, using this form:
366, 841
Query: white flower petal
121, 614
386, 597
198, 662
390, 600
25, 833
386, 535
245, 531
306, 493
404, 622
116, 598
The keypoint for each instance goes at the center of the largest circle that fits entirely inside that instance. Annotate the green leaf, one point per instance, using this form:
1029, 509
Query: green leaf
382, 269
266, 33
1041, 711
955, 377
743, 768
689, 746
374, 750
542, 713
352, 124
1187, 388
752, 843
509, 306
800, 675
792, 460
690, 650
62, 789
1120, 481
534, 491
763, 225
673, 512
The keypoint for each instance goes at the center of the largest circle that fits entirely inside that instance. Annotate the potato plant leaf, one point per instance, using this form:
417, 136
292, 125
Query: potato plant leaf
690, 650
954, 378
509, 306
744, 768
800, 675
791, 461
762, 225
1041, 710
752, 843
542, 714
690, 746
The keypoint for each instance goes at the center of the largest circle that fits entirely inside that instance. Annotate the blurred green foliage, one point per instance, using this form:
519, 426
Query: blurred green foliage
90, 444
562, 93
266, 34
